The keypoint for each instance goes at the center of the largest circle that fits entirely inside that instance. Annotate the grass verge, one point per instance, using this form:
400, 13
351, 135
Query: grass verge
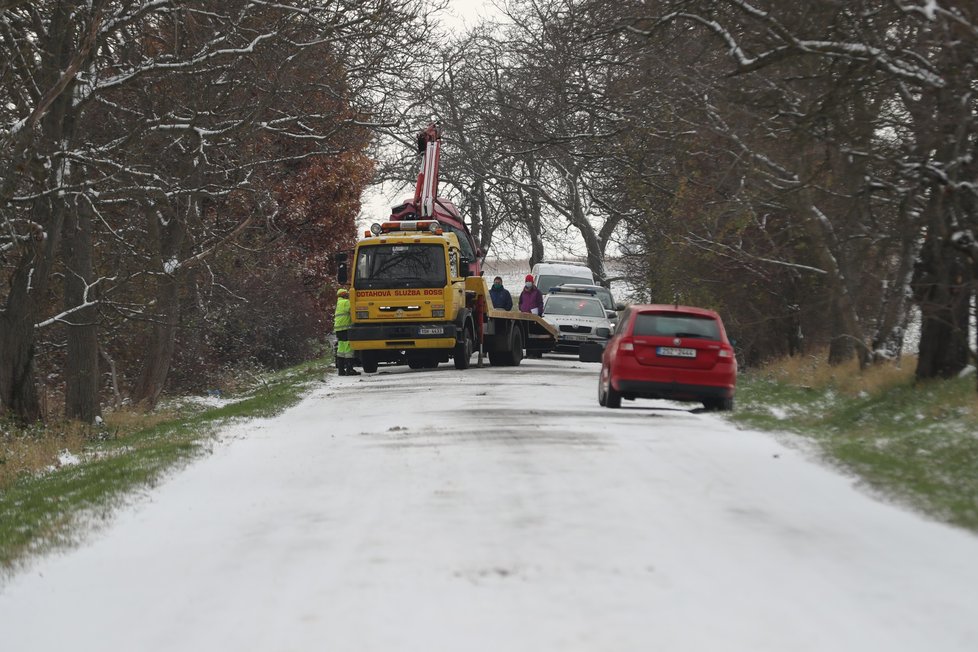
916, 442
44, 508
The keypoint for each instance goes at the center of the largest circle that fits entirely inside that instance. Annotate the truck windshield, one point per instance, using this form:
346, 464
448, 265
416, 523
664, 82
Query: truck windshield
400, 266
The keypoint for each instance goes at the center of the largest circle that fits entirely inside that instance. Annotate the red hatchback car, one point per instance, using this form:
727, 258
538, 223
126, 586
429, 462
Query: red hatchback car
672, 352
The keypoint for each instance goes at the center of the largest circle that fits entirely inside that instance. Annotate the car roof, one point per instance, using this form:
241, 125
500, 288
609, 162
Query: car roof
674, 308
580, 286
576, 270
577, 288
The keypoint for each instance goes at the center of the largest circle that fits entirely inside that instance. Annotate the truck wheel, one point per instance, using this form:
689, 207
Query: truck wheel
369, 363
463, 351
415, 362
515, 354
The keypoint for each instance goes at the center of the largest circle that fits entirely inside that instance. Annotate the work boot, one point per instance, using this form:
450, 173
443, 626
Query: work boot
340, 367
350, 371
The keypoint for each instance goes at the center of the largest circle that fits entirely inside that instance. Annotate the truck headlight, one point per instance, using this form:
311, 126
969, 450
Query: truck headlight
437, 311
363, 314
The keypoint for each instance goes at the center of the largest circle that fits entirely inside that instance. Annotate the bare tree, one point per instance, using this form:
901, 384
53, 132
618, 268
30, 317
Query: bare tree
143, 119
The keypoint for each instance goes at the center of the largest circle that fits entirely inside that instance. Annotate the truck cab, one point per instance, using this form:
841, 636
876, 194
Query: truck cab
409, 297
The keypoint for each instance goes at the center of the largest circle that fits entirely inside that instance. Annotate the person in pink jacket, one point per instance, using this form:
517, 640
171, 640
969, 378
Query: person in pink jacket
531, 299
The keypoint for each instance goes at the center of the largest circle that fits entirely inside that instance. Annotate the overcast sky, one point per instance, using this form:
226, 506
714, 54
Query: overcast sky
469, 11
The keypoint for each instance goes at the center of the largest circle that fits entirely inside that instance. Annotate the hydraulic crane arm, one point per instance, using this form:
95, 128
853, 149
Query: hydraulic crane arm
429, 142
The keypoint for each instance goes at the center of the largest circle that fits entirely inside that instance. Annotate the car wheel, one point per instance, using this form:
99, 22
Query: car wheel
607, 396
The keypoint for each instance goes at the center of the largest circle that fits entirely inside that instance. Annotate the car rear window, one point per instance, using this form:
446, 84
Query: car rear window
673, 325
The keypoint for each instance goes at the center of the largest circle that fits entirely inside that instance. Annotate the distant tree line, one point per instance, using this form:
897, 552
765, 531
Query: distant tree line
809, 169
174, 177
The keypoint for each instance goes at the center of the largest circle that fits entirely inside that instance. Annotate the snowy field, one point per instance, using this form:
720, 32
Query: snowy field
501, 510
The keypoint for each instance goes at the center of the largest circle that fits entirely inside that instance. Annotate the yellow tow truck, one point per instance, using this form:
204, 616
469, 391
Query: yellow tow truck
413, 300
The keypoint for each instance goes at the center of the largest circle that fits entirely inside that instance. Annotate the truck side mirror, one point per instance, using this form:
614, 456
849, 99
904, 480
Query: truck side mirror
342, 268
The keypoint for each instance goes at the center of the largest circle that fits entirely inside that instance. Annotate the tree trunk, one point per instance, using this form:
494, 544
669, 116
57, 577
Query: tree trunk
29, 283
943, 293
18, 393
81, 365
841, 347
533, 217
159, 351
167, 236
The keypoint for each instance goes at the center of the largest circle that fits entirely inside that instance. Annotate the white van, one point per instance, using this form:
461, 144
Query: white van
548, 273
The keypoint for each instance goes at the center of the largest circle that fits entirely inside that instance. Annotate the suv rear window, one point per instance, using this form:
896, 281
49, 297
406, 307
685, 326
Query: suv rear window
573, 305
676, 325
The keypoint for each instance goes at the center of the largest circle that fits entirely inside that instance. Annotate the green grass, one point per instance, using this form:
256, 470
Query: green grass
40, 511
914, 442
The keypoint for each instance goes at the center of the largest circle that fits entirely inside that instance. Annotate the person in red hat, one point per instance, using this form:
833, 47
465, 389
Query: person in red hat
531, 299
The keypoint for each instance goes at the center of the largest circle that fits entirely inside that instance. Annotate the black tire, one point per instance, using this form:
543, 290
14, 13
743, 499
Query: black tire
369, 363
719, 404
515, 354
415, 362
463, 351
607, 397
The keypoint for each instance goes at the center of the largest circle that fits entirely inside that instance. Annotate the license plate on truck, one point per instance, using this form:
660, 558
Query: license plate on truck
574, 338
437, 330
674, 352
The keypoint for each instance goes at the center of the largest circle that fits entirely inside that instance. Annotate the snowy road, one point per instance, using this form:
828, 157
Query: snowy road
375, 516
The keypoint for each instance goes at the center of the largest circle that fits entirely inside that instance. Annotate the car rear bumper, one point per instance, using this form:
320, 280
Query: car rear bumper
673, 391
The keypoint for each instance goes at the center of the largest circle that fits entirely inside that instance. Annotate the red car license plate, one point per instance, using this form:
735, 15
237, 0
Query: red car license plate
674, 352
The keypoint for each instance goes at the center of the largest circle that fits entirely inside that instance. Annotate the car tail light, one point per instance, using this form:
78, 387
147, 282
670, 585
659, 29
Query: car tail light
725, 353
627, 345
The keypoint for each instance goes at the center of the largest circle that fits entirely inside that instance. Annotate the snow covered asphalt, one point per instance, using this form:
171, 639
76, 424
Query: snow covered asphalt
501, 510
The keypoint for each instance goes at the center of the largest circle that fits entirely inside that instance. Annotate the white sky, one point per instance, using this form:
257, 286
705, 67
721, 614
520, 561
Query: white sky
468, 11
